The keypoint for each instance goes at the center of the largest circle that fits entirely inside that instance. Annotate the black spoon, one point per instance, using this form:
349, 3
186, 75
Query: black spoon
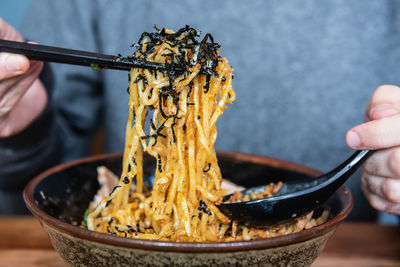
295, 198
78, 57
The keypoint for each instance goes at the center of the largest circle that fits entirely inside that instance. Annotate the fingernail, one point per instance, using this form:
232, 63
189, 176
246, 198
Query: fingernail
14, 63
353, 139
382, 111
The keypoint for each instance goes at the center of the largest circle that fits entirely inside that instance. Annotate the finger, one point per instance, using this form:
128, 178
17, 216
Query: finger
12, 65
391, 190
376, 134
26, 110
7, 32
386, 188
381, 204
384, 163
384, 102
373, 184
11, 97
10, 83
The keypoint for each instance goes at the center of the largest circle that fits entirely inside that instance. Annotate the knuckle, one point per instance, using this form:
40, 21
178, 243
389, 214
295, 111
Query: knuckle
371, 185
391, 189
394, 162
371, 166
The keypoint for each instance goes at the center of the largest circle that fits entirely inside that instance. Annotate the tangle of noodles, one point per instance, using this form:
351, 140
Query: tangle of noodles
184, 108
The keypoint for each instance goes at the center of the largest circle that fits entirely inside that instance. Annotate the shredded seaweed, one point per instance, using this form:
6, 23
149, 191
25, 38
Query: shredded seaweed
208, 168
108, 202
207, 85
203, 208
177, 63
159, 163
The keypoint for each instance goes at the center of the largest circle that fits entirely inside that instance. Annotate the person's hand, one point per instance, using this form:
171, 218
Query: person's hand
381, 172
22, 95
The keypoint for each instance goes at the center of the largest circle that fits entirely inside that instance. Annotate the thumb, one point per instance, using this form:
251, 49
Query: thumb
382, 129
12, 65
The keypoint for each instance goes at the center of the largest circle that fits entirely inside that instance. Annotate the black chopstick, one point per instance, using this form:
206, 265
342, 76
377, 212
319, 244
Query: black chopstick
77, 57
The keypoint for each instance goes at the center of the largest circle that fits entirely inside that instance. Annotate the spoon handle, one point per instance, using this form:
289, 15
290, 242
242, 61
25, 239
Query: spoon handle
340, 174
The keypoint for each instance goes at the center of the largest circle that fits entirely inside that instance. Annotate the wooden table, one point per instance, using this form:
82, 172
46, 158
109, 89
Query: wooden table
24, 243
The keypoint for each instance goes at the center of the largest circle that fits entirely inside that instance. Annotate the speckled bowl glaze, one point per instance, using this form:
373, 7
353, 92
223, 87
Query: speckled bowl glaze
59, 197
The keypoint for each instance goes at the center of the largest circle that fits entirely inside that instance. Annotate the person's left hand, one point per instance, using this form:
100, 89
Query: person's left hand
380, 176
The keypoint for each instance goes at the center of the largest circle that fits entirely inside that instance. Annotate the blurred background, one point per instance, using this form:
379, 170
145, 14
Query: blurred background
13, 11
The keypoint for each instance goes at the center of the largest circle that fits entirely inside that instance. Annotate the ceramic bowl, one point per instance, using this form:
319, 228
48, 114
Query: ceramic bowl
59, 197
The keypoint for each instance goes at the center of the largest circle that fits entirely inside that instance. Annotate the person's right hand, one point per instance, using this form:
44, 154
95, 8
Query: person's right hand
22, 95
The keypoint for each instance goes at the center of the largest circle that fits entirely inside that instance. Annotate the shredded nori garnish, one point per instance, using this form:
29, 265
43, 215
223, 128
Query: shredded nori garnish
173, 132
208, 168
207, 85
108, 203
203, 208
204, 53
159, 163
157, 133
110, 232
115, 187
111, 220
139, 78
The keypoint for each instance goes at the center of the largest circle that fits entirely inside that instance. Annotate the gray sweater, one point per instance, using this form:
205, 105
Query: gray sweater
304, 71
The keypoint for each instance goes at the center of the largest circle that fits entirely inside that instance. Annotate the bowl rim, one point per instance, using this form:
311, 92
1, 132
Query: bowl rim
343, 192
